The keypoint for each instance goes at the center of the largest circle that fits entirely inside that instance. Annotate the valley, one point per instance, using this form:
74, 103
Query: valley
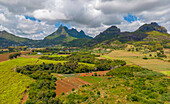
69, 67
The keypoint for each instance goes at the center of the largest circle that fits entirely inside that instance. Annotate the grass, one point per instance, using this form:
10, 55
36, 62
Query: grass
156, 33
69, 75
12, 84
91, 79
92, 65
57, 55
137, 58
112, 90
108, 95
166, 73
58, 76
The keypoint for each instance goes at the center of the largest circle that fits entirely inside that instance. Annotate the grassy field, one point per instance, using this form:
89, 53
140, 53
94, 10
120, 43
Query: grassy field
57, 55
166, 73
108, 94
12, 84
92, 65
115, 90
137, 58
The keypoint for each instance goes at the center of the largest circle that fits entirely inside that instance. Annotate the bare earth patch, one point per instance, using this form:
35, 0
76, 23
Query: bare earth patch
67, 84
5, 57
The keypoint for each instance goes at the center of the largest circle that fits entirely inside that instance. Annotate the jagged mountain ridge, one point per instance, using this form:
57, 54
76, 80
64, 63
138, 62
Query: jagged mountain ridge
62, 30
61, 35
147, 33
71, 37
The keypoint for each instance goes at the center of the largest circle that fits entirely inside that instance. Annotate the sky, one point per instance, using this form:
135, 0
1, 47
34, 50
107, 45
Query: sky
36, 19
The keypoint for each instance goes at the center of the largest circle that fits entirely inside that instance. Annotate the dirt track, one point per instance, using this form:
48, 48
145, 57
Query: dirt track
67, 84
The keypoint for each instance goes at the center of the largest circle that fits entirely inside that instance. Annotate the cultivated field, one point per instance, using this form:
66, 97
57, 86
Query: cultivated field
67, 84
137, 58
12, 84
5, 57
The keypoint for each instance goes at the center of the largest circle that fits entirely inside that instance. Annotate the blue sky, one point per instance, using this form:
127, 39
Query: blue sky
58, 23
130, 18
32, 18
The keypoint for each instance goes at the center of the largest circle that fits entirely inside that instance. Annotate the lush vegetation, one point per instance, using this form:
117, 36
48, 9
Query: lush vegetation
72, 67
85, 58
15, 55
74, 58
128, 84
91, 79
42, 90
17, 48
13, 84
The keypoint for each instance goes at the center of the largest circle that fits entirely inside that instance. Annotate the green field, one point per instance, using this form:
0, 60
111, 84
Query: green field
12, 84
166, 73
122, 88
108, 94
56, 55
92, 65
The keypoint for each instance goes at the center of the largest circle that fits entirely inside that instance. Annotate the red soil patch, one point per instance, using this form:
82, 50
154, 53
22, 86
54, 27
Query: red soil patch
101, 73
25, 98
5, 57
67, 84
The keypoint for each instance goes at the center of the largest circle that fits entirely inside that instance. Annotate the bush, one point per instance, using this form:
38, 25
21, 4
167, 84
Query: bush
98, 92
11, 56
145, 58
134, 98
62, 93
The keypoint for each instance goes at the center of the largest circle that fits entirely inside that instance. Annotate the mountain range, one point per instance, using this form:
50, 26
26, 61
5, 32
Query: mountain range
146, 34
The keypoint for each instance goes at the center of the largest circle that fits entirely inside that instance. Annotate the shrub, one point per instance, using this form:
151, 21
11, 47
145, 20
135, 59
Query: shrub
62, 93
134, 98
145, 58
95, 74
98, 92
11, 56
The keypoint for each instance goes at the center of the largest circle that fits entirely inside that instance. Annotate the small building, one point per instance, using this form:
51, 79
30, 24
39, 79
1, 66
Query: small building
39, 53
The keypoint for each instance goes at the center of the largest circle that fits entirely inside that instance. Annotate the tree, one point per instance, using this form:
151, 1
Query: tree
11, 56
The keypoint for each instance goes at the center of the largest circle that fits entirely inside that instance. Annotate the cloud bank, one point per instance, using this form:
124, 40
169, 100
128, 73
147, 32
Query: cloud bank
36, 19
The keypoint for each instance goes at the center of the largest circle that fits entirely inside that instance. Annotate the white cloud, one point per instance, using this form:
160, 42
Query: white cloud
44, 14
92, 16
2, 18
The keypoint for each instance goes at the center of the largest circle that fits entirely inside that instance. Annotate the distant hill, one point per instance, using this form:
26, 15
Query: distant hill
152, 27
146, 34
63, 35
11, 37
111, 37
7, 39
